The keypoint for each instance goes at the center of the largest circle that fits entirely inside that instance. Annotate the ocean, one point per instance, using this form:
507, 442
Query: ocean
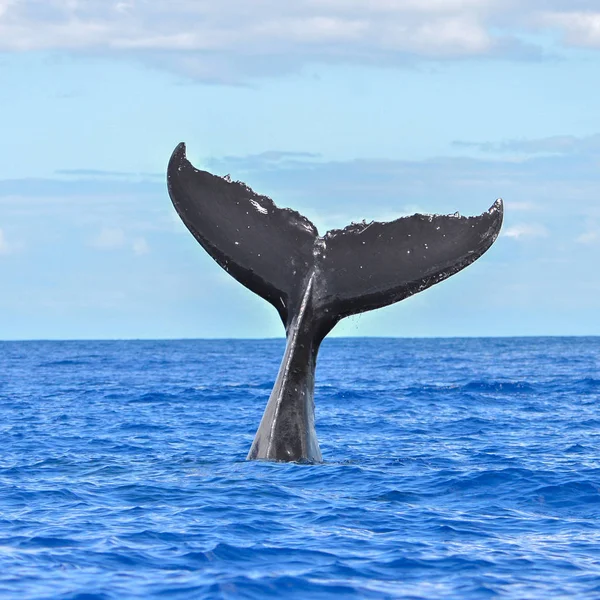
454, 468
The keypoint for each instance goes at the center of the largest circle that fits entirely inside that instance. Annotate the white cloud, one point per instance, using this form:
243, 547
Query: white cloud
590, 236
140, 246
8, 245
580, 28
4, 4
234, 39
522, 206
525, 231
109, 239
5, 247
116, 239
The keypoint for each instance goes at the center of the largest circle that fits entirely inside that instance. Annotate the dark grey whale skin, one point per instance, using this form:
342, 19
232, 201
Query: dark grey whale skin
314, 281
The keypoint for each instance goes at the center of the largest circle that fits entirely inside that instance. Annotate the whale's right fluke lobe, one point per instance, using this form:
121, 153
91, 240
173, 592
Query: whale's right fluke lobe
370, 265
314, 281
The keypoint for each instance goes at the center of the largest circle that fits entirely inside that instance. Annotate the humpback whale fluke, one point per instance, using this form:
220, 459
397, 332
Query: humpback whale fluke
314, 281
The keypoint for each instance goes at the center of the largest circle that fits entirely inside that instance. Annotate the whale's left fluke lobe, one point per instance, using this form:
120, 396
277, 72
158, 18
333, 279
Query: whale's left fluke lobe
314, 281
266, 248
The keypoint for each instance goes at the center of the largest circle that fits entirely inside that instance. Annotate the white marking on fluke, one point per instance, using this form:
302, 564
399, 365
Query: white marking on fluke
258, 207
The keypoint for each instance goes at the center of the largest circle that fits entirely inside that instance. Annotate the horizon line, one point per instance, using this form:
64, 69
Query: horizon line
282, 338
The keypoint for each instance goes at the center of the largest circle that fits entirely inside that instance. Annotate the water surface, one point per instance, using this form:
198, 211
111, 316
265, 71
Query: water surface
454, 468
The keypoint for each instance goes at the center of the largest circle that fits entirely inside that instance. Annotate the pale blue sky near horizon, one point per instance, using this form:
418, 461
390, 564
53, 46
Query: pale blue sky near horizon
342, 110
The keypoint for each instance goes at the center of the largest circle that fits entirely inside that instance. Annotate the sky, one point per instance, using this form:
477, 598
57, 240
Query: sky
342, 109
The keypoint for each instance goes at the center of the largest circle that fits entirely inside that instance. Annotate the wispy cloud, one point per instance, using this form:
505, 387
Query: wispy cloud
525, 230
100, 174
271, 160
523, 206
591, 235
5, 246
558, 144
140, 246
232, 40
116, 239
109, 239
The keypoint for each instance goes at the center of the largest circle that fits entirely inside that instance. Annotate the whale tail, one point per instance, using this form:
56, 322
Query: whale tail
314, 281
275, 251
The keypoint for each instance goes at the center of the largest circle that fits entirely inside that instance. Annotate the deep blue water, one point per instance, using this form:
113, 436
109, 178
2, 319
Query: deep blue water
454, 469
